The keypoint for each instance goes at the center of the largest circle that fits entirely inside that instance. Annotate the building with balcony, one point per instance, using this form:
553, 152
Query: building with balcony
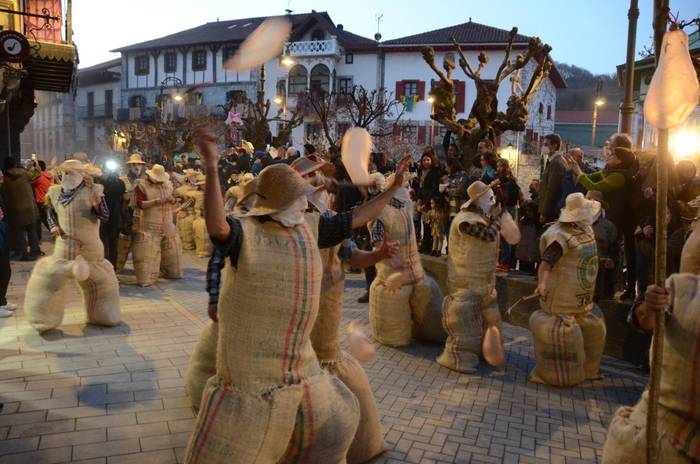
48, 65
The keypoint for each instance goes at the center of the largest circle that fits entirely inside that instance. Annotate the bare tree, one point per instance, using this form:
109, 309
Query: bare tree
485, 121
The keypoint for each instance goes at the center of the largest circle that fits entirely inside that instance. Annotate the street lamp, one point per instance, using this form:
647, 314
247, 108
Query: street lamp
431, 100
287, 58
599, 102
279, 100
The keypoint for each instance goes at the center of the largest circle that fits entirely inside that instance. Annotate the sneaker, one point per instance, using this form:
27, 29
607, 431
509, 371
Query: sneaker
9, 307
364, 298
5, 313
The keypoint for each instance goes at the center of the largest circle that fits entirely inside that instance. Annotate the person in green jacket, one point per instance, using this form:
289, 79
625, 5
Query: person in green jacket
615, 181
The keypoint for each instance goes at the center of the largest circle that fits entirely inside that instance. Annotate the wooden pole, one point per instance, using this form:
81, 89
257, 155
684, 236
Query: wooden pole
627, 107
661, 10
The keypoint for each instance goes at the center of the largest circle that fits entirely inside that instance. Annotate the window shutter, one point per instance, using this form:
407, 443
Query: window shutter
460, 90
421, 135
397, 130
421, 90
399, 90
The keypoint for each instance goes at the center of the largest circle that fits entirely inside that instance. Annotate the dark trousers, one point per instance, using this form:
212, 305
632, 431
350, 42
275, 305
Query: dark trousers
5, 273
110, 237
426, 243
28, 236
630, 258
42, 220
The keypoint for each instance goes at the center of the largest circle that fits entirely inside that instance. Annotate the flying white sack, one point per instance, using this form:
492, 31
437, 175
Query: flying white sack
354, 152
361, 348
265, 43
674, 89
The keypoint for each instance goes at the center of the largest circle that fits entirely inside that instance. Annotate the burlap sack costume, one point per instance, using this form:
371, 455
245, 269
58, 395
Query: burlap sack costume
125, 240
202, 364
568, 335
203, 245
690, 257
270, 401
368, 441
45, 296
185, 217
471, 304
156, 246
395, 315
679, 396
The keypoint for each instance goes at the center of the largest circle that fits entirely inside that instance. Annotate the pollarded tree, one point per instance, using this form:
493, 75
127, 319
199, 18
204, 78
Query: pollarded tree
485, 121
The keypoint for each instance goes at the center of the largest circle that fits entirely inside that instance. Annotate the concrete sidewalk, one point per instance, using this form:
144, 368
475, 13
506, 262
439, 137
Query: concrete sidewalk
115, 395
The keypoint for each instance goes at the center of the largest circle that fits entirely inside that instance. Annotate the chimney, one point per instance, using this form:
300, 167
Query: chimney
339, 27
377, 37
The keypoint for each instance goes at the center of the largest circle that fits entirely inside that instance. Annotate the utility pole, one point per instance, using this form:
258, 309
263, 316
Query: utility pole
627, 106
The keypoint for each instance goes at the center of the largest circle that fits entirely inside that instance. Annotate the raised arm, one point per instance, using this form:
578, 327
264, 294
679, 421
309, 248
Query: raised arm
214, 213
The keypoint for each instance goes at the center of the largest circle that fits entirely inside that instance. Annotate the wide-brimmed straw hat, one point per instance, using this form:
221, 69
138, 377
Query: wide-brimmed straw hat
73, 165
135, 159
157, 173
190, 173
577, 208
201, 179
274, 190
247, 147
307, 164
475, 191
92, 170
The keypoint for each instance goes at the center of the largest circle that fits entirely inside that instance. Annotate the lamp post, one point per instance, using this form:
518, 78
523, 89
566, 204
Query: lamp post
599, 102
627, 106
177, 82
431, 100
281, 101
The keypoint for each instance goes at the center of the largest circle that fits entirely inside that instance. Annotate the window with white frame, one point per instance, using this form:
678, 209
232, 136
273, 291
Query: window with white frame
199, 60
297, 80
170, 62
410, 88
345, 85
141, 65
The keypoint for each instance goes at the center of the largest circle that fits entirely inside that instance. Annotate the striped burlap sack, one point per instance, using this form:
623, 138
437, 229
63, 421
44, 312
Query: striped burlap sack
185, 230
146, 251
390, 314
426, 307
123, 250
312, 421
369, 440
690, 257
627, 436
171, 257
594, 332
47, 292
202, 364
463, 321
202, 241
101, 295
559, 350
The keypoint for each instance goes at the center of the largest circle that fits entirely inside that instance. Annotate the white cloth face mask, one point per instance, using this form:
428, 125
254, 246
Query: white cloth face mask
293, 215
486, 201
320, 199
71, 180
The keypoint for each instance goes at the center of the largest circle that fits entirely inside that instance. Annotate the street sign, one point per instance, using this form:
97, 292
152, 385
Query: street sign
14, 47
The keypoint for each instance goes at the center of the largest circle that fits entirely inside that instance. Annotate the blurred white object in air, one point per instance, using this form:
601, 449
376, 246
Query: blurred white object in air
265, 43
354, 152
361, 348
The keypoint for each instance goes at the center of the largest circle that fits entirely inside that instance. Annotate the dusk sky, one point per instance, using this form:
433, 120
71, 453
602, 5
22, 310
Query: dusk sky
588, 33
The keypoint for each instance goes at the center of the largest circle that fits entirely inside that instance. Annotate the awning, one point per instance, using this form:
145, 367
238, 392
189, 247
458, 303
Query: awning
52, 67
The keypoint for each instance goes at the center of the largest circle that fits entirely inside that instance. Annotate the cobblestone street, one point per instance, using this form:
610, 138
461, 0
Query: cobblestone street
115, 395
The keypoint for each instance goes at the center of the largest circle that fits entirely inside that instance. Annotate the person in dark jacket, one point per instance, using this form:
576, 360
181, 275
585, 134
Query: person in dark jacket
429, 179
6, 309
115, 197
21, 211
552, 178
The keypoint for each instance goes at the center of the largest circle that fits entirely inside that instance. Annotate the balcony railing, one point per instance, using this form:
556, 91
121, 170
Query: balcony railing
96, 111
314, 48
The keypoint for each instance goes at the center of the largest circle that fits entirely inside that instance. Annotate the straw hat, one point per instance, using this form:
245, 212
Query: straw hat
274, 190
190, 173
81, 156
92, 170
201, 179
247, 147
135, 159
577, 208
157, 173
72, 165
475, 191
307, 164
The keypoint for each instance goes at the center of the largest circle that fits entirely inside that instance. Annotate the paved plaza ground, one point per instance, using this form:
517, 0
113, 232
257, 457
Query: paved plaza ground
115, 395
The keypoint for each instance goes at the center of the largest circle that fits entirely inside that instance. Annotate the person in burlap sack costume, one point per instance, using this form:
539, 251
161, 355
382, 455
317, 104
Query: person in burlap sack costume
690, 257
75, 209
403, 301
184, 213
569, 330
678, 424
270, 400
156, 246
135, 172
203, 245
470, 314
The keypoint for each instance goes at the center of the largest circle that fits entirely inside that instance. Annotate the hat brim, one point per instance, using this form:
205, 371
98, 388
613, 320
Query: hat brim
135, 162
156, 178
471, 201
249, 205
588, 211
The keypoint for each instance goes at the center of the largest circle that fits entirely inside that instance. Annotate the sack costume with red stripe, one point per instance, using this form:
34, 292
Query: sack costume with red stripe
416, 307
679, 396
125, 242
185, 217
46, 293
471, 307
270, 401
568, 332
156, 247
